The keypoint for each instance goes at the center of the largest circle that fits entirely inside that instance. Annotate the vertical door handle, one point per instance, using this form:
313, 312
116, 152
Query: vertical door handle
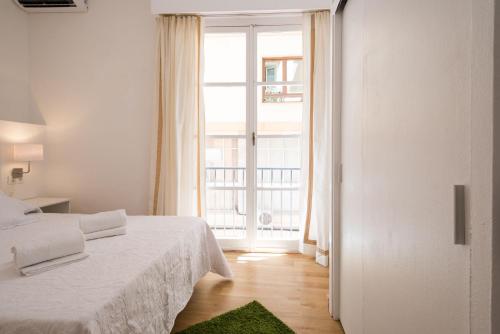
253, 138
459, 216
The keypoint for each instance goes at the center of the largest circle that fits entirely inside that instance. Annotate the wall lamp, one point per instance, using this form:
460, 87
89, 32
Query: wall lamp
25, 153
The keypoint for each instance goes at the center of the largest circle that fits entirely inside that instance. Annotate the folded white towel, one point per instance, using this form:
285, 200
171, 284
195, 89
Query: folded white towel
49, 245
103, 221
52, 264
106, 233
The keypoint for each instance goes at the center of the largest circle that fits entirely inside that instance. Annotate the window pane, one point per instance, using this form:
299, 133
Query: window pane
225, 110
278, 172
278, 182
296, 89
273, 70
279, 125
295, 70
270, 91
225, 57
278, 118
278, 44
282, 94
225, 154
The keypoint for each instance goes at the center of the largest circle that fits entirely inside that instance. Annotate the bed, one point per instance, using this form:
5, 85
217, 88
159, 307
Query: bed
136, 283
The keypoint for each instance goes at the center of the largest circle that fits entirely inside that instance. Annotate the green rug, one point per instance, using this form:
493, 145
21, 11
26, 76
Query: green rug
252, 318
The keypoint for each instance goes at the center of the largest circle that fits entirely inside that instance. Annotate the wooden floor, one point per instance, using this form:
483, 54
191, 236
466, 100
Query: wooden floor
291, 286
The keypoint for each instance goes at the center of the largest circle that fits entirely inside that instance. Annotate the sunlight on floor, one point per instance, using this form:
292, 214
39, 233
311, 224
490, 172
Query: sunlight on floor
254, 257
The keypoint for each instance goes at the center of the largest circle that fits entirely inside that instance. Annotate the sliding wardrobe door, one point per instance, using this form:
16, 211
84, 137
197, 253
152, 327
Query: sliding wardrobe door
405, 145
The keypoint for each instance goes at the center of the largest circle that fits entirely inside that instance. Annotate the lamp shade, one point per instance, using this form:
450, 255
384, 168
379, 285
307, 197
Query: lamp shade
28, 152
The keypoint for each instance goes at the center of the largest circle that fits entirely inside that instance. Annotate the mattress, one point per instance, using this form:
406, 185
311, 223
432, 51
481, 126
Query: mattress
136, 283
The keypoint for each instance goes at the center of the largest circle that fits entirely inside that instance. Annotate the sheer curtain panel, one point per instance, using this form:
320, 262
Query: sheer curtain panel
317, 138
177, 159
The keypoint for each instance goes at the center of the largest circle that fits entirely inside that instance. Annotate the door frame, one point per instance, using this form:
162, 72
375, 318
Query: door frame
336, 80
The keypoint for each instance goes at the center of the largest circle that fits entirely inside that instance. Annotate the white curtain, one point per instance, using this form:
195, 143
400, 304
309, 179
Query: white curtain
177, 159
317, 138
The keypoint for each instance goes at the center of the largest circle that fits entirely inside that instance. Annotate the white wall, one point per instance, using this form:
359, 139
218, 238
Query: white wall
235, 6
481, 190
496, 184
15, 97
417, 116
92, 79
16, 106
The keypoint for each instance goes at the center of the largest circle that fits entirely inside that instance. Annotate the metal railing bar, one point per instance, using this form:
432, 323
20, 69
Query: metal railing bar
233, 197
222, 136
281, 199
279, 83
272, 203
224, 198
229, 211
224, 84
244, 205
278, 188
258, 168
226, 188
262, 136
265, 228
261, 195
291, 202
225, 168
215, 197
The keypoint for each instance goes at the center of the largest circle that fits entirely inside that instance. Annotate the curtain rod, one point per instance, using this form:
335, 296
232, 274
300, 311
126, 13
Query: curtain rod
249, 14
286, 13
255, 25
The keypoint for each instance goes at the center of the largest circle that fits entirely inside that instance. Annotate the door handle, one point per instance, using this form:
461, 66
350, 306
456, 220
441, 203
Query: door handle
459, 214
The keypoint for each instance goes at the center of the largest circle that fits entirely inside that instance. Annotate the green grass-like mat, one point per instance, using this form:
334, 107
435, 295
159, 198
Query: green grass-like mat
252, 318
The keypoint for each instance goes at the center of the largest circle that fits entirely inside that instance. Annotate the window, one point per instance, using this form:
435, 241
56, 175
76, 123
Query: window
287, 72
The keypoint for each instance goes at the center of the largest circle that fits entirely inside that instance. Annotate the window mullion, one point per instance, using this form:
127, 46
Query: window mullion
285, 76
224, 84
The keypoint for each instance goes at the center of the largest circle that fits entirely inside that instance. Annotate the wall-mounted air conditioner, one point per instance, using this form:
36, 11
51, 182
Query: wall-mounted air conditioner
52, 6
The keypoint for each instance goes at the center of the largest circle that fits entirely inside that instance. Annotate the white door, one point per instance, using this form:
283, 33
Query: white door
405, 144
279, 95
229, 151
253, 104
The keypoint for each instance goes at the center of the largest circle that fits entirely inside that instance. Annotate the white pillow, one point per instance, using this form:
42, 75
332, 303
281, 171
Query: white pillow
13, 212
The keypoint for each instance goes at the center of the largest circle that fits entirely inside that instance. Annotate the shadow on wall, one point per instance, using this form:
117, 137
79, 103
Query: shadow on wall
24, 111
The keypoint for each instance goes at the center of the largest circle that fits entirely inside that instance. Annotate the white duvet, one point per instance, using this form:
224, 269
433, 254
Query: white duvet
134, 283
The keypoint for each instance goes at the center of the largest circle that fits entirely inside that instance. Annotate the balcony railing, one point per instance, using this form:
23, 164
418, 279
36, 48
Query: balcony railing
277, 206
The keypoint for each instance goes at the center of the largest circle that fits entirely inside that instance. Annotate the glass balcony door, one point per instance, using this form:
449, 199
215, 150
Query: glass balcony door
278, 108
253, 95
226, 102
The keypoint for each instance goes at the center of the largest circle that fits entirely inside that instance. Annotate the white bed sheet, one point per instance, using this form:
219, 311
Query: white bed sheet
135, 283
